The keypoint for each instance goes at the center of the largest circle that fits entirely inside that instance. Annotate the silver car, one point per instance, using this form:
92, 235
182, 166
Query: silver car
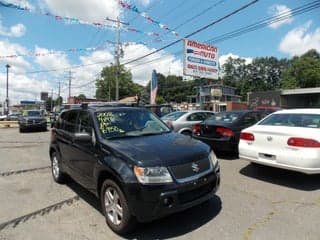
183, 121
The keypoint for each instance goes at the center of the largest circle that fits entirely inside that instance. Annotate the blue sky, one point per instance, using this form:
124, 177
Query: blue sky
23, 34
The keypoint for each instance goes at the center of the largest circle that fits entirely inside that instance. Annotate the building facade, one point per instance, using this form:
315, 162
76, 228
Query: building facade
217, 98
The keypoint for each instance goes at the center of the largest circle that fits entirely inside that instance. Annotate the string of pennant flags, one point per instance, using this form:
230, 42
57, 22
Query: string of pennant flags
70, 50
133, 8
78, 21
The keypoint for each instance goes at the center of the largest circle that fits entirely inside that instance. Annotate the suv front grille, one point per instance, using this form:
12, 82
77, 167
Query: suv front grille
190, 169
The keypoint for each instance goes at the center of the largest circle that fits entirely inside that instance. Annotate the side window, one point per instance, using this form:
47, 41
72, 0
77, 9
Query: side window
70, 122
61, 120
84, 123
207, 115
249, 119
195, 117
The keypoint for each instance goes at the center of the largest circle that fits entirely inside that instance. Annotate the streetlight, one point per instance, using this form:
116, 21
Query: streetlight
7, 96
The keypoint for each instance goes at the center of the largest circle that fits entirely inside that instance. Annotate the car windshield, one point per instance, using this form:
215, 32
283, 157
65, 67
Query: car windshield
173, 116
293, 120
225, 117
32, 114
120, 123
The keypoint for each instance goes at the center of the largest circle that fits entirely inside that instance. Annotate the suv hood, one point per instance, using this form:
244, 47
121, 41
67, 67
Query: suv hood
160, 150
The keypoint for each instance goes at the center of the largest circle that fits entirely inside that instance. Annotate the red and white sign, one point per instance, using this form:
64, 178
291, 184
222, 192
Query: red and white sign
200, 60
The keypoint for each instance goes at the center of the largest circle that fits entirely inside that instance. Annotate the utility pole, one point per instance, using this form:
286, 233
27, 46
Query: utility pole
59, 96
51, 102
7, 96
117, 54
70, 78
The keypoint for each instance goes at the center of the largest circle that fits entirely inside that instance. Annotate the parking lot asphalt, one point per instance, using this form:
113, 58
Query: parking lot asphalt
253, 202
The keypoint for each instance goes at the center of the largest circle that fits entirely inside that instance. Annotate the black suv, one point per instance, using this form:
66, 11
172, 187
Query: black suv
32, 120
133, 162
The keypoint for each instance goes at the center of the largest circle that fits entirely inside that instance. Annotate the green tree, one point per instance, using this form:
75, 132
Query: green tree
49, 104
303, 71
82, 96
260, 75
58, 101
106, 84
173, 88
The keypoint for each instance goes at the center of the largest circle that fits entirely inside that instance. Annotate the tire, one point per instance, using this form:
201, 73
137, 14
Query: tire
115, 208
57, 174
20, 130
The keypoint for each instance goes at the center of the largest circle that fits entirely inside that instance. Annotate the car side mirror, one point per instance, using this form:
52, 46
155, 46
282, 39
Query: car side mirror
82, 137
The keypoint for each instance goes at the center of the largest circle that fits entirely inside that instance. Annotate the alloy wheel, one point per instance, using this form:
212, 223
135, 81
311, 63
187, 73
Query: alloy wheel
113, 206
55, 167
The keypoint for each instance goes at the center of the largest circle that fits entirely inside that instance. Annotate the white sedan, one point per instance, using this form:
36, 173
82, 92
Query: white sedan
288, 139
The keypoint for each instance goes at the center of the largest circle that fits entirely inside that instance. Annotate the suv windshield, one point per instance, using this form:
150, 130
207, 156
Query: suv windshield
116, 123
32, 114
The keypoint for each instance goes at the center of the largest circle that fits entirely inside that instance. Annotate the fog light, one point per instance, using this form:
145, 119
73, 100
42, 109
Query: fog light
167, 201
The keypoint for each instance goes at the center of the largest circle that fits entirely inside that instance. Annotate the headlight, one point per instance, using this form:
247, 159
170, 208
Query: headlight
213, 158
152, 175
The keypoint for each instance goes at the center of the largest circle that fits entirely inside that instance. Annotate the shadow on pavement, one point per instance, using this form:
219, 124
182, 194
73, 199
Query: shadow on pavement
179, 223
172, 226
282, 177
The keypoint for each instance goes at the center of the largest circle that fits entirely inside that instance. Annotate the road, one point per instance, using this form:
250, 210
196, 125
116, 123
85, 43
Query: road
253, 202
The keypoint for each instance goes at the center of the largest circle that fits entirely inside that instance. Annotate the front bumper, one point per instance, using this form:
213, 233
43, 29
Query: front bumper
25, 126
149, 202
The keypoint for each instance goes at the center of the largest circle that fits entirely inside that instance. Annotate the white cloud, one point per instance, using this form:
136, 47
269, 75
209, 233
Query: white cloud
83, 80
223, 58
18, 64
141, 71
91, 11
17, 30
22, 87
51, 59
276, 10
145, 2
298, 40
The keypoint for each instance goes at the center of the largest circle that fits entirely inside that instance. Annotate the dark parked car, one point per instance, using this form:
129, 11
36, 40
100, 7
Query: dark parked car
32, 120
133, 162
222, 131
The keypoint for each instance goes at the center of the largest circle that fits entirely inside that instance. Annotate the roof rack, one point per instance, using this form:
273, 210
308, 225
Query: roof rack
86, 105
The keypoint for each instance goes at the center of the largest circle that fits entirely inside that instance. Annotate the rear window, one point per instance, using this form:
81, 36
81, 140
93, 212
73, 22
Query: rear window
226, 116
293, 120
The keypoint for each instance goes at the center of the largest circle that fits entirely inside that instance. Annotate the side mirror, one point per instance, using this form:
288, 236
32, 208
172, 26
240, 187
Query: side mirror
82, 137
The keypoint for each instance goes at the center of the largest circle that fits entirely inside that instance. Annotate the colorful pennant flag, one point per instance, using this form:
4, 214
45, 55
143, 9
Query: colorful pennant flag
146, 16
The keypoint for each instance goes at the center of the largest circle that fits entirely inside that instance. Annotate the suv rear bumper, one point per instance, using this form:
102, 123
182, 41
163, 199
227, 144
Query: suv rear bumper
149, 202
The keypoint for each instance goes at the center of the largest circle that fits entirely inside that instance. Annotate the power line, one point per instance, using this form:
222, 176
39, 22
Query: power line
226, 36
249, 28
197, 15
266, 22
158, 50
195, 32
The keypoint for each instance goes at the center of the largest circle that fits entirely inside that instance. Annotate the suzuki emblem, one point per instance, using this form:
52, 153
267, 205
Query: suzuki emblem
269, 138
195, 167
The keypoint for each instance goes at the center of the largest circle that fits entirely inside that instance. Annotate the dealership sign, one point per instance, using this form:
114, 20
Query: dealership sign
200, 60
